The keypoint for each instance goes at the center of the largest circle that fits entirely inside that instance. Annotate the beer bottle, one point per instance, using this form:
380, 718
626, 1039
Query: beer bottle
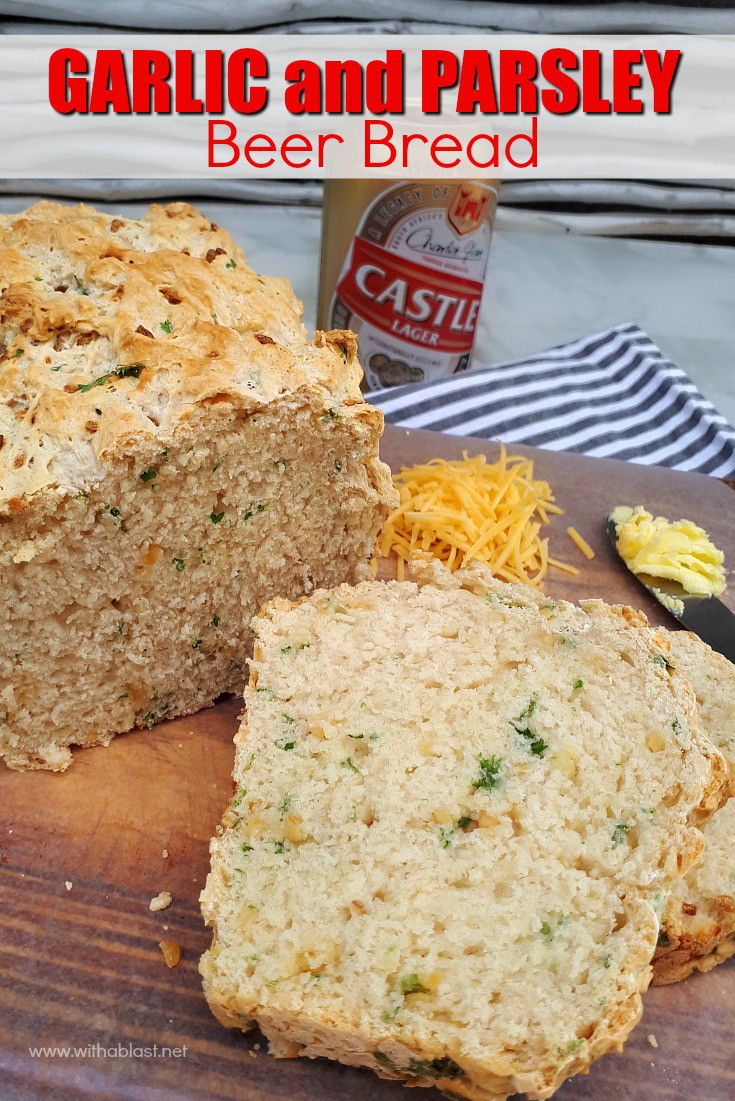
403, 265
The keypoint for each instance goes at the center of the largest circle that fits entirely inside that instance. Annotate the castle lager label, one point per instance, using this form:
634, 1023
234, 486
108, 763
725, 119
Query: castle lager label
403, 266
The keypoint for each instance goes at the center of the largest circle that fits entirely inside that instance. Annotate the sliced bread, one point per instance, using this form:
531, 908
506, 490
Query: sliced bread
458, 808
698, 927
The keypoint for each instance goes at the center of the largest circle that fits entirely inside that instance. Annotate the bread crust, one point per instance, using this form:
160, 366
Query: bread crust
113, 330
150, 384
698, 926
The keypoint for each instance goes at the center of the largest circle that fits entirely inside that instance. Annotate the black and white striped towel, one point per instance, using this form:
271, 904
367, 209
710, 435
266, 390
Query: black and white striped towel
612, 394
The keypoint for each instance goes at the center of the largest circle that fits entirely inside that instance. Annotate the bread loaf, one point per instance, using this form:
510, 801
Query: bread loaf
458, 807
698, 927
173, 452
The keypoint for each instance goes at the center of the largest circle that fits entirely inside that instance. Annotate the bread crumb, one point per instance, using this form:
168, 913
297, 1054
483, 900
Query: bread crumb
652, 1040
161, 901
68, 884
164, 854
253, 1054
171, 952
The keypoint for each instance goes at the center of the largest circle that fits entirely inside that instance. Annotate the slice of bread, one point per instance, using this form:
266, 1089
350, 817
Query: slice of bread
458, 806
698, 927
173, 452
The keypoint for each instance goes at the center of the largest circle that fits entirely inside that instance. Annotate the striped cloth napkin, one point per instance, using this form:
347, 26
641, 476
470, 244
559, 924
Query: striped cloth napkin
612, 394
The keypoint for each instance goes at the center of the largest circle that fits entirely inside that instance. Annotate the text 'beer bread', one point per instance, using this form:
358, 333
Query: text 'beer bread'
173, 452
458, 808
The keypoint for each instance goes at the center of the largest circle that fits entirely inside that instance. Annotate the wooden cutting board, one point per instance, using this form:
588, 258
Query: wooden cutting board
81, 967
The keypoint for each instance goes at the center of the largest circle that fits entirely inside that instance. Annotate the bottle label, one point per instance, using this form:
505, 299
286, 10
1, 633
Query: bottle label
412, 282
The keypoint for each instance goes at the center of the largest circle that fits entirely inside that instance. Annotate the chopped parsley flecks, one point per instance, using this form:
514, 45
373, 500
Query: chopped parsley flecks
166, 326
288, 745
552, 925
331, 415
231, 264
578, 684
464, 822
676, 726
279, 848
663, 940
381, 1058
128, 370
239, 798
349, 763
81, 289
662, 660
249, 513
286, 804
180, 564
445, 836
286, 649
246, 848
536, 744
215, 621
620, 834
411, 984
489, 772
216, 517
443, 1067
196, 644
114, 512
148, 475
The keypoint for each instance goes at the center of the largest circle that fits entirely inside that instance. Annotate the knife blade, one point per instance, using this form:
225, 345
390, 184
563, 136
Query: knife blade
706, 616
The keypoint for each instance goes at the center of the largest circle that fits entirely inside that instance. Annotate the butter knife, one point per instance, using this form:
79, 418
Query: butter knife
706, 616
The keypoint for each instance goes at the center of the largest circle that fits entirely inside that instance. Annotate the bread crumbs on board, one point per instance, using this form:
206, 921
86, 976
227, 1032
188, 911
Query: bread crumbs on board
161, 901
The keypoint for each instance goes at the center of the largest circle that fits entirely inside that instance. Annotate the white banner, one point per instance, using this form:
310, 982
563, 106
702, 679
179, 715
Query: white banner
263, 106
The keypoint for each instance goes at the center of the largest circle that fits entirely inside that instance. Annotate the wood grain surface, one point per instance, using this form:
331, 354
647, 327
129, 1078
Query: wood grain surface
82, 967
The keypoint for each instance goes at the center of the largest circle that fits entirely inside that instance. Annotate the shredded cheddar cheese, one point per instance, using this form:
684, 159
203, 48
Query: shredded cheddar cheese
471, 508
583, 545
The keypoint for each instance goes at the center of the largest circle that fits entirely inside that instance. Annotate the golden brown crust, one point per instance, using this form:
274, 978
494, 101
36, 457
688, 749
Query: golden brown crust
698, 925
113, 329
682, 962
